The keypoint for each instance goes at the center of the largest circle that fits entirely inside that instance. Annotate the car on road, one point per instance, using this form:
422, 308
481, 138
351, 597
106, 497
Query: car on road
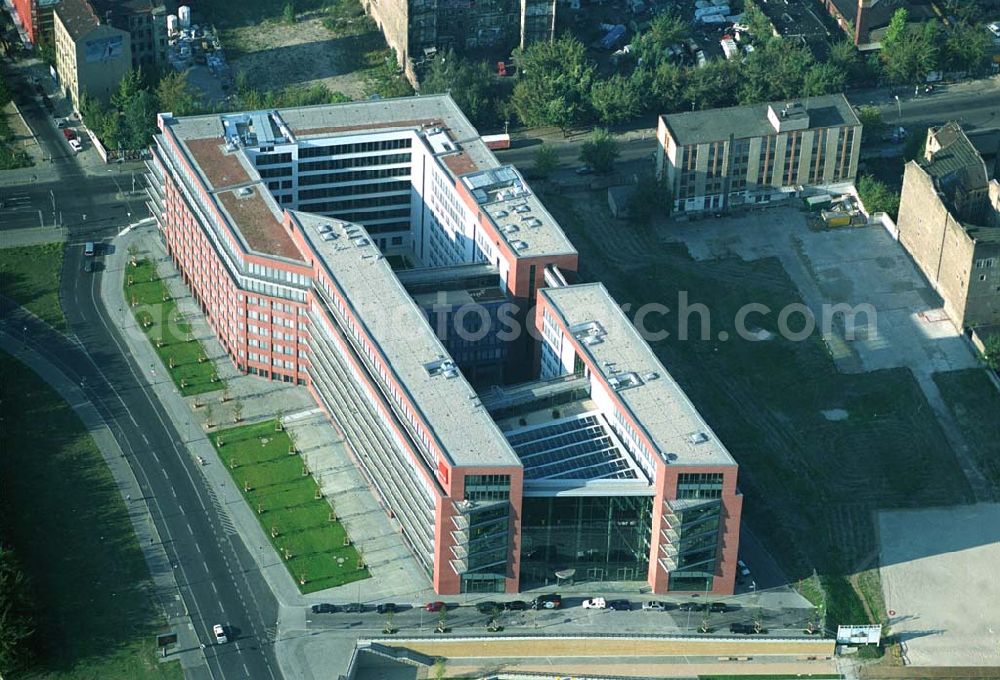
691, 606
722, 607
76, 145
324, 608
595, 603
220, 634
68, 134
620, 605
89, 266
584, 170
515, 606
89, 249
436, 606
354, 608
746, 629
550, 601
61, 123
387, 608
487, 607
653, 606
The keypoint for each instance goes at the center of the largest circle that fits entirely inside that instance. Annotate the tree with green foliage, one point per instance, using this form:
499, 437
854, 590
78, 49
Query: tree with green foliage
909, 52
872, 123
288, 13
16, 607
991, 352
650, 199
554, 85
845, 56
469, 83
966, 48
823, 77
711, 87
615, 99
139, 119
877, 197
760, 26
776, 70
387, 81
176, 96
545, 161
600, 151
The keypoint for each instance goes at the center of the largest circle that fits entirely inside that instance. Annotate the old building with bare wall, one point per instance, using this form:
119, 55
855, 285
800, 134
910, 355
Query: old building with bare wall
949, 222
417, 28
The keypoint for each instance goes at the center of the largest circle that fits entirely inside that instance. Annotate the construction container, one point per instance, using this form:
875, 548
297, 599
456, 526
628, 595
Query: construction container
184, 15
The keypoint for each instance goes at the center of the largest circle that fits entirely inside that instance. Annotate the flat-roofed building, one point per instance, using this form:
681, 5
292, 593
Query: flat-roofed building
750, 155
289, 227
91, 56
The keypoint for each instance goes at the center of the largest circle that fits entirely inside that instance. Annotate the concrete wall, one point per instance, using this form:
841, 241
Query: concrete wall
937, 242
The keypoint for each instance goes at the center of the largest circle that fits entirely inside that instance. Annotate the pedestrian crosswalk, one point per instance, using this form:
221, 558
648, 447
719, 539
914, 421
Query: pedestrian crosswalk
222, 513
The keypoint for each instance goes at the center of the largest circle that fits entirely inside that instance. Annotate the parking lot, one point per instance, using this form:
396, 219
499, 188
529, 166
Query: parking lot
748, 616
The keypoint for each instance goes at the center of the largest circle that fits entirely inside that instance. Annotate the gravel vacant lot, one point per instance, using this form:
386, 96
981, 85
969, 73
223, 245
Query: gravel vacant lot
939, 574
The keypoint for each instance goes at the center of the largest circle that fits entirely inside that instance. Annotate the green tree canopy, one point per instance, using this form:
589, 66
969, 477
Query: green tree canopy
776, 70
176, 96
600, 151
712, 86
554, 86
877, 197
546, 160
823, 78
469, 83
966, 48
16, 606
615, 99
909, 52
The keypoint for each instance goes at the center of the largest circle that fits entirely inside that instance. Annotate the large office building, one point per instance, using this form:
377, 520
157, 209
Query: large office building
750, 155
379, 254
949, 222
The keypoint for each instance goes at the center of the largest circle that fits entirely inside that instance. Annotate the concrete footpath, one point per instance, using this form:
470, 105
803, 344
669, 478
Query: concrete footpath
187, 650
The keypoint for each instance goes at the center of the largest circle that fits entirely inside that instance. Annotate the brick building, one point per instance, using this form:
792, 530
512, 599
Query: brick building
865, 21
318, 241
36, 17
722, 158
413, 27
949, 222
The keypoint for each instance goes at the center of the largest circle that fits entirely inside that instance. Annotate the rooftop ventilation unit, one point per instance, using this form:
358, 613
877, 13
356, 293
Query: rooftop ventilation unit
534, 222
324, 228
518, 245
522, 209
245, 191
698, 438
329, 237
445, 367
360, 241
501, 213
511, 229
650, 376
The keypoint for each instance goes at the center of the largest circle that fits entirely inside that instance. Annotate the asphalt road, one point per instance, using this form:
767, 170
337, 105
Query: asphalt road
219, 581
976, 105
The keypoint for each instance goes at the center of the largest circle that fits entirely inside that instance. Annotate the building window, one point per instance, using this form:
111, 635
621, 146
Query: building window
699, 485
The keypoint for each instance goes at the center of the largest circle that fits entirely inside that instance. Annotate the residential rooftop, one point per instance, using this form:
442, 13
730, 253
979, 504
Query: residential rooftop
628, 366
77, 16
712, 125
421, 365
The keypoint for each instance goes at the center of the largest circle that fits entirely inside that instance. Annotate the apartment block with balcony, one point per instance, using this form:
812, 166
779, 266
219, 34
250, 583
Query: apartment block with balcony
751, 155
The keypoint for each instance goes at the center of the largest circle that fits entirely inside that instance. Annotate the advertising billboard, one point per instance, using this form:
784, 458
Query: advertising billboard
859, 635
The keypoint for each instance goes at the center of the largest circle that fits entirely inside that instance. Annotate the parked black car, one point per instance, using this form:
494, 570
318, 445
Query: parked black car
354, 608
723, 607
619, 605
386, 607
746, 629
692, 606
487, 607
515, 606
550, 601
324, 608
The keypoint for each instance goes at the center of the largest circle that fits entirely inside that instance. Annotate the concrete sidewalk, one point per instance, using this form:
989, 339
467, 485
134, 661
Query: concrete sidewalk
394, 571
189, 652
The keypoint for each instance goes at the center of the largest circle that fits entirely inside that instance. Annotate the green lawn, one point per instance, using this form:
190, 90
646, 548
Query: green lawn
285, 499
30, 276
69, 526
811, 484
975, 403
157, 312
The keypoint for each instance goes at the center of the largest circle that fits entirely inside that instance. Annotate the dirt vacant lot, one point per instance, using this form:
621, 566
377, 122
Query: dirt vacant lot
939, 572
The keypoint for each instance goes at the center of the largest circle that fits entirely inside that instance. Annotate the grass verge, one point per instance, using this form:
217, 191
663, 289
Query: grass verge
156, 312
975, 403
30, 275
288, 506
62, 510
812, 483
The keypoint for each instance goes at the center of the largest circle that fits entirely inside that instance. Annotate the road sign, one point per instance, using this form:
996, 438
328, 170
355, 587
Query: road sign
166, 639
859, 635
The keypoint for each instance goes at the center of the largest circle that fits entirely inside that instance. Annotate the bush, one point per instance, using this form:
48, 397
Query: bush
877, 197
600, 151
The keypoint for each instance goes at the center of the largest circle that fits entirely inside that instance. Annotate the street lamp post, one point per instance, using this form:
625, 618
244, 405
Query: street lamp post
899, 110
